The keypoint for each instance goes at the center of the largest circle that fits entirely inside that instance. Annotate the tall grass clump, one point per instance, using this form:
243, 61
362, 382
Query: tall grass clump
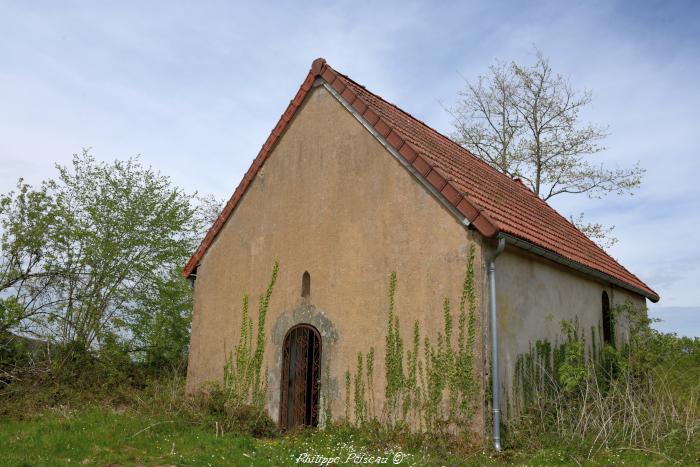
641, 395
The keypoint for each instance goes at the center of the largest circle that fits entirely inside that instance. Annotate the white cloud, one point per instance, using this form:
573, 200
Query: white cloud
196, 90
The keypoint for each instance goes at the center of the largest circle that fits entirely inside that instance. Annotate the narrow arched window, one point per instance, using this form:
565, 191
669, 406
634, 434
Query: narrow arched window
306, 285
607, 320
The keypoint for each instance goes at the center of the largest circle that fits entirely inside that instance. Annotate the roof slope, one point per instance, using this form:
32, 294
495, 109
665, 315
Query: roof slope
491, 201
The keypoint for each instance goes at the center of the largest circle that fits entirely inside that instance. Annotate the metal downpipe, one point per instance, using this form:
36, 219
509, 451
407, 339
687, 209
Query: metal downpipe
495, 392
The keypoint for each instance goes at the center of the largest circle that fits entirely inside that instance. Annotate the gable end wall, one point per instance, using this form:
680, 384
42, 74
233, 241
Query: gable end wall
332, 201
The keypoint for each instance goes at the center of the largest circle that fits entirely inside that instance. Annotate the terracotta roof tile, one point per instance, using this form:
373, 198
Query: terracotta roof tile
491, 201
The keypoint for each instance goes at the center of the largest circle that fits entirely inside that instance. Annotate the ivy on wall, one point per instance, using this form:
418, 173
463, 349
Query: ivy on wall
243, 381
432, 385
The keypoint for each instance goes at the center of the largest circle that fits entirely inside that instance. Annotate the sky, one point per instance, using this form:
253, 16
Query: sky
194, 88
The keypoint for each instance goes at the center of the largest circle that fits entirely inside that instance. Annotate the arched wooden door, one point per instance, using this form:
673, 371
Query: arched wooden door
301, 377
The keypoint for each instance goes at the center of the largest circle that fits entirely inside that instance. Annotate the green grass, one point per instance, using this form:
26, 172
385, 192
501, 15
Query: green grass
100, 436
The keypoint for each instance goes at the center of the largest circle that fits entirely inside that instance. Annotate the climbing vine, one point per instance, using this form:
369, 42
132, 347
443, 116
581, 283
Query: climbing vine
393, 356
360, 402
243, 381
348, 385
370, 383
432, 385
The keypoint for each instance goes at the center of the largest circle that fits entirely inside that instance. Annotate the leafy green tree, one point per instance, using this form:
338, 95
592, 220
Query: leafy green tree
160, 327
93, 257
125, 227
28, 221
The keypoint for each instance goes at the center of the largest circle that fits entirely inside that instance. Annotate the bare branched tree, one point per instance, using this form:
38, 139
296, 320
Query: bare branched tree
487, 123
599, 233
525, 122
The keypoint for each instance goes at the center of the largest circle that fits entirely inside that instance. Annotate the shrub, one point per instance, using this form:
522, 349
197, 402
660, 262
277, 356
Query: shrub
230, 416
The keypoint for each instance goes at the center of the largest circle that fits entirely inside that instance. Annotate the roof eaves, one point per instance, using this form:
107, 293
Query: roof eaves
587, 270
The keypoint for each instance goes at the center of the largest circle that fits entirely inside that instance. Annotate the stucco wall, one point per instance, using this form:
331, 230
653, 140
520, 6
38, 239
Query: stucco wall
332, 201
534, 295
